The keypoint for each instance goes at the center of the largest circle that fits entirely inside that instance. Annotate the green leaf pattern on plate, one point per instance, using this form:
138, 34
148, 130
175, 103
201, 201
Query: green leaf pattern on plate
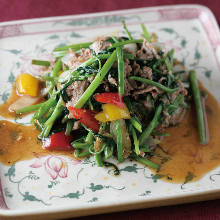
53, 183
102, 20
7, 193
75, 195
5, 96
94, 199
97, 187
146, 193
26, 195
11, 78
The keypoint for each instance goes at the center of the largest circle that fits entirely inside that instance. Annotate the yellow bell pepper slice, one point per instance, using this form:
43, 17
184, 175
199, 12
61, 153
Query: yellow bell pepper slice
101, 116
60, 73
112, 112
27, 84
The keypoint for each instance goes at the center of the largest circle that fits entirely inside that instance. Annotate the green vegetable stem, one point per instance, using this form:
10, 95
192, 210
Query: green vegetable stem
198, 105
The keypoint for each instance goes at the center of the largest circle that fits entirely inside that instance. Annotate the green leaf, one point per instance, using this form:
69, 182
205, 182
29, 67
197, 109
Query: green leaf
43, 50
156, 177
11, 78
5, 96
61, 45
33, 177
197, 54
7, 193
94, 199
168, 30
73, 195
76, 23
196, 29
14, 51
53, 183
208, 73
97, 21
18, 65
89, 160
183, 43
146, 193
52, 37
95, 187
29, 197
75, 35
130, 169
11, 171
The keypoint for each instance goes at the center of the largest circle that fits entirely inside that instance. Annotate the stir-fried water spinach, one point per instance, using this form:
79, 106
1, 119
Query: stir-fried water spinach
113, 98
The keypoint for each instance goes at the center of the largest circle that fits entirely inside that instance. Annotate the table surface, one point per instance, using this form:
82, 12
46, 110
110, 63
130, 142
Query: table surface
26, 9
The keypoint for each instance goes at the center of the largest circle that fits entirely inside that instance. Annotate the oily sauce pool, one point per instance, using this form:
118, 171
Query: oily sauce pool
184, 155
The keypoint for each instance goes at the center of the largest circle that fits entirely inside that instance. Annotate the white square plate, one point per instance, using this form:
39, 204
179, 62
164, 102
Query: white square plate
69, 188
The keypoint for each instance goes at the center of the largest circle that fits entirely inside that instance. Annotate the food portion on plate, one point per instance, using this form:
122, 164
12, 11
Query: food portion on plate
113, 97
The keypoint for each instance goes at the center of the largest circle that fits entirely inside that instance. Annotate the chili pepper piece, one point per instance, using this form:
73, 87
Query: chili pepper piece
86, 117
111, 98
58, 141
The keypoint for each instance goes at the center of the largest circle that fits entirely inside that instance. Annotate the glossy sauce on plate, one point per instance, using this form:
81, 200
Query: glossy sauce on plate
4, 112
20, 142
184, 155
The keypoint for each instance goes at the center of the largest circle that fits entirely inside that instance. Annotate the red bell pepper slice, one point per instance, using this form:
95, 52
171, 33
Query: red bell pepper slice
111, 98
58, 141
86, 116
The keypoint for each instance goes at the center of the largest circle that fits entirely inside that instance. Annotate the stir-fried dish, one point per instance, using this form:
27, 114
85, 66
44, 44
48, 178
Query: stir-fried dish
113, 97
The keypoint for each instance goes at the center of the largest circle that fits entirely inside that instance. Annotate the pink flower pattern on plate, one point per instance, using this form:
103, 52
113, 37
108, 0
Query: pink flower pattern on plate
56, 167
37, 163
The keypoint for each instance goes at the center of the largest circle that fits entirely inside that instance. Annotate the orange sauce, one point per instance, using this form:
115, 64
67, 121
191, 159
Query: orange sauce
184, 153
4, 112
19, 142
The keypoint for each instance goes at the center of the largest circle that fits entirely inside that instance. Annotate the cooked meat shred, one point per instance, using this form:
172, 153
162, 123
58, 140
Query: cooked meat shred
151, 89
75, 59
112, 80
146, 73
181, 90
76, 90
100, 44
147, 51
98, 144
128, 84
174, 118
